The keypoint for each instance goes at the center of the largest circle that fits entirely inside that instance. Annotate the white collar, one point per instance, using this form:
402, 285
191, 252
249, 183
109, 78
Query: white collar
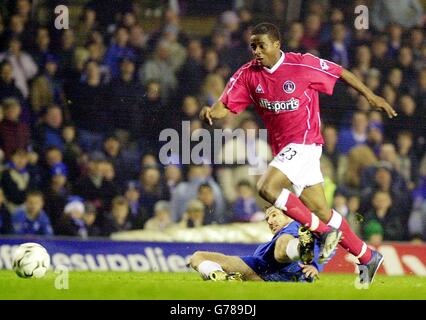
276, 65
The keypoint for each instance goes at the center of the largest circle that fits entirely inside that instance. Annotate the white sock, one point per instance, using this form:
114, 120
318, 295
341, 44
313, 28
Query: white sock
281, 201
336, 220
206, 267
292, 249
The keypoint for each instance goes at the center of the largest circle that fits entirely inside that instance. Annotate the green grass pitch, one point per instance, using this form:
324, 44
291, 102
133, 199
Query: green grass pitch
189, 286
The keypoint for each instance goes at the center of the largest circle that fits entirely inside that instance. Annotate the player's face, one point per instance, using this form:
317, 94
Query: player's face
276, 219
265, 50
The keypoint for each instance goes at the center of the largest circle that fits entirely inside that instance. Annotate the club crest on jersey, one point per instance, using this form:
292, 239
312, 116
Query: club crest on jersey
259, 89
289, 86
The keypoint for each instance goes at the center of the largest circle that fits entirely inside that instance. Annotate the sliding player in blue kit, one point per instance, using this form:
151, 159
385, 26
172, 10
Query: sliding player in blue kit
292, 256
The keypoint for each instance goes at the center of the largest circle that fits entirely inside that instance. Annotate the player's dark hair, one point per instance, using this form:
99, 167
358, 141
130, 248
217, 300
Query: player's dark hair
267, 28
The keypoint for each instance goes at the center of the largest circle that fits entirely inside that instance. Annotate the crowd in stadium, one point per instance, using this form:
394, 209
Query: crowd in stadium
82, 109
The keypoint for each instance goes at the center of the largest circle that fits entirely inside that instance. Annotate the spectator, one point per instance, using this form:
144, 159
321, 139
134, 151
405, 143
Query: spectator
126, 94
386, 214
337, 50
245, 208
72, 222
355, 135
407, 113
383, 177
379, 49
177, 51
245, 152
162, 217
374, 233
187, 190
24, 67
149, 160
47, 89
359, 158
151, 189
311, 39
405, 63
122, 161
212, 89
117, 220
119, 50
32, 219
395, 41
41, 52
14, 134
211, 212
138, 214
172, 176
138, 39
86, 24
94, 187
193, 217
8, 88
159, 68
408, 164
89, 107
15, 29
48, 133
375, 135
65, 53
54, 162
192, 69
158, 117
5, 218
16, 180
408, 13
363, 59
56, 195
111, 187
294, 38
89, 217
72, 151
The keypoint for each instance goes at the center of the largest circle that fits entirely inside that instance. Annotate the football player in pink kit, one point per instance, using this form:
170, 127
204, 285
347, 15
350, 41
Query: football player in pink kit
284, 89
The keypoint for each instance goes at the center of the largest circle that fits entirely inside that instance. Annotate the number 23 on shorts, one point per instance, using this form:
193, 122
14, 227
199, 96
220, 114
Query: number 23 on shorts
288, 153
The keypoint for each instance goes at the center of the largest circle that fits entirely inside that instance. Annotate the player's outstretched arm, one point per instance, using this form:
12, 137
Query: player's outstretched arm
374, 100
217, 111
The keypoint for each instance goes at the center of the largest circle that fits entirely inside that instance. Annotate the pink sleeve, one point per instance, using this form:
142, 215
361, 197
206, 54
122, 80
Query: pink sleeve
323, 74
236, 96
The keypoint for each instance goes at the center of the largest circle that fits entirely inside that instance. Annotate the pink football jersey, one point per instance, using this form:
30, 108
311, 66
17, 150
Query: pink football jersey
285, 96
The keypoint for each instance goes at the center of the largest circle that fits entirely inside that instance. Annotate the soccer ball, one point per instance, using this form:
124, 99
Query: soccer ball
31, 260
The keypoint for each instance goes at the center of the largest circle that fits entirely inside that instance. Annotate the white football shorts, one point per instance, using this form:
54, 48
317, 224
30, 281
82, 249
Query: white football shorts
301, 164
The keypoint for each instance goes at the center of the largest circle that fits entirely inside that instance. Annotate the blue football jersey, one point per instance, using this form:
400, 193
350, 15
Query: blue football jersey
264, 264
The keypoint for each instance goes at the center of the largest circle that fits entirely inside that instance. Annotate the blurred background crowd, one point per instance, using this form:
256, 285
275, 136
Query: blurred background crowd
82, 109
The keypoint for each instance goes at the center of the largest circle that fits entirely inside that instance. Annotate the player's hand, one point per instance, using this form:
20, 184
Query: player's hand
380, 103
310, 271
205, 115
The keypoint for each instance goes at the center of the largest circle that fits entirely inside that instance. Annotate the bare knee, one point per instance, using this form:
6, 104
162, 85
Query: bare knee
197, 258
268, 191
